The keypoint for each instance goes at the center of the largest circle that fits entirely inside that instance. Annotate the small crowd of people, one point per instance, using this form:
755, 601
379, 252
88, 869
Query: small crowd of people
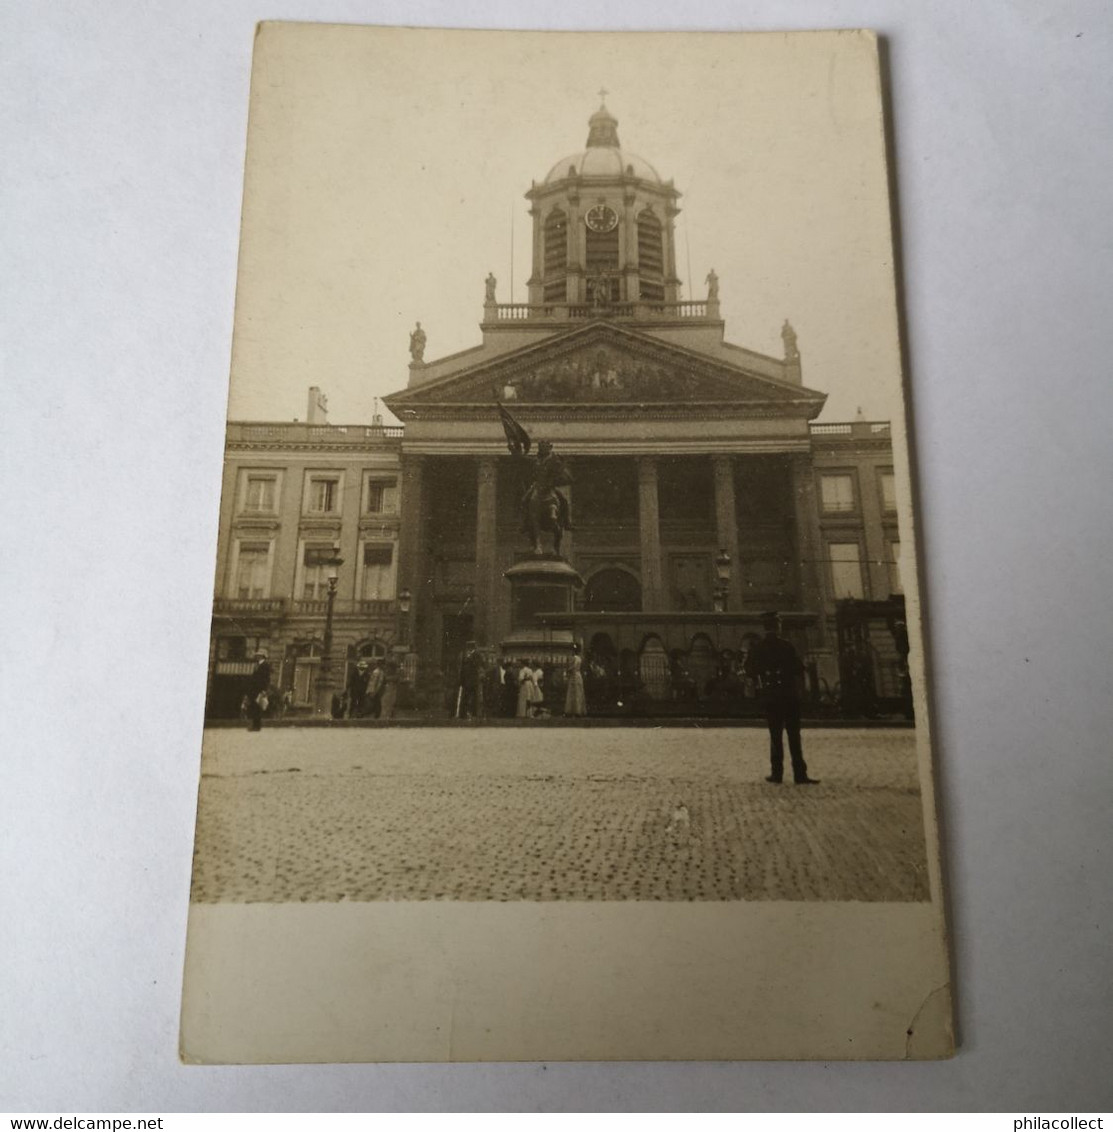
371, 691
525, 688
517, 687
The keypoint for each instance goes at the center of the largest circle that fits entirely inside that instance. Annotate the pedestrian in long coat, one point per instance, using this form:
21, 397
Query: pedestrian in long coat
257, 691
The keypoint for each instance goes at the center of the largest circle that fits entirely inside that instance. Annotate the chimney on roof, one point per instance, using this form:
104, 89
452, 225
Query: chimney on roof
317, 412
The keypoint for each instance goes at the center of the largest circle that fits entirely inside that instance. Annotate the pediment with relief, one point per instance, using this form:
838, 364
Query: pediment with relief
599, 371
606, 373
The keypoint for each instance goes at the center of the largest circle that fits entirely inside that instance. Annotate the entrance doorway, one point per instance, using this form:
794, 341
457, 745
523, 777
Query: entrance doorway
612, 590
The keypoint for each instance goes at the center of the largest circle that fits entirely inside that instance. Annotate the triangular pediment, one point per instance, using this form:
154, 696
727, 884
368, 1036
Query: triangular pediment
603, 365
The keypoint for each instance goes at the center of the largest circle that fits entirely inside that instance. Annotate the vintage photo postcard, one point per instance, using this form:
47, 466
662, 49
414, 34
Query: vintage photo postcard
566, 696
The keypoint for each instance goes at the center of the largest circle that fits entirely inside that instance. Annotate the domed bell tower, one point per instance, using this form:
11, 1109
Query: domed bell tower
603, 231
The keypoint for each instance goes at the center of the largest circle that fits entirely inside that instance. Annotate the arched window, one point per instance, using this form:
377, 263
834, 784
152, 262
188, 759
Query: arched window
612, 590
601, 651
654, 670
703, 663
555, 255
602, 251
651, 257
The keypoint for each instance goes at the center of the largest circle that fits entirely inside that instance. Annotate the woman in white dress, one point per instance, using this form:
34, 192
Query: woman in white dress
574, 701
525, 683
536, 695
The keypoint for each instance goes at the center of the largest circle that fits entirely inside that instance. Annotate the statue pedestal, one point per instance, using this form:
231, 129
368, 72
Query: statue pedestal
541, 584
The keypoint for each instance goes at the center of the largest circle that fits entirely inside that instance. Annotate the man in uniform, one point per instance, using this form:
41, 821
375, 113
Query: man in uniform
776, 669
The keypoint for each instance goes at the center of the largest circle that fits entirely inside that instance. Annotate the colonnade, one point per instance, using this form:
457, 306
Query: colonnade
415, 570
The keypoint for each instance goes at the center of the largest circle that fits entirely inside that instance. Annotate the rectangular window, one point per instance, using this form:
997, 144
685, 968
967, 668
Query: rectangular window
895, 584
232, 648
846, 569
888, 491
382, 496
378, 572
251, 570
324, 495
837, 493
260, 493
315, 571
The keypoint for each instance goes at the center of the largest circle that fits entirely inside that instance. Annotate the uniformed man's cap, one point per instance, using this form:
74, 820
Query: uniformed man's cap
262, 653
770, 620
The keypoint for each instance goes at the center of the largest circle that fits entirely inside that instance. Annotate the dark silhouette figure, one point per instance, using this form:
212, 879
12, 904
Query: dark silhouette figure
544, 506
257, 691
778, 673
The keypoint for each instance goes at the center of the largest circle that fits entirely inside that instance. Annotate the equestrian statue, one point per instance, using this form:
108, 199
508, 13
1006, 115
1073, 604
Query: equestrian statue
544, 506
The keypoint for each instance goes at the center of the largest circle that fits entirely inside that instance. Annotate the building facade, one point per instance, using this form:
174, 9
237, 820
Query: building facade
704, 492
298, 503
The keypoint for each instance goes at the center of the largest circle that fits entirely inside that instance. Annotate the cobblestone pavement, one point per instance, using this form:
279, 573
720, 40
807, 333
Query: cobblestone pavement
522, 814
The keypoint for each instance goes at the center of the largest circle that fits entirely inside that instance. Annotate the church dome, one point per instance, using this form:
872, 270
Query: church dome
604, 156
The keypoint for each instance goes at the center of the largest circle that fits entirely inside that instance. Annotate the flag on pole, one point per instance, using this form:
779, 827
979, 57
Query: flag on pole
517, 439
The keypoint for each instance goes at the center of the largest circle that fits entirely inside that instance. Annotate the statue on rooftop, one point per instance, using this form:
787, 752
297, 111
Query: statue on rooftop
788, 335
712, 286
491, 283
417, 344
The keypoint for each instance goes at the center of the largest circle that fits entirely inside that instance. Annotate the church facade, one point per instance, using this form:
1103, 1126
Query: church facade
702, 491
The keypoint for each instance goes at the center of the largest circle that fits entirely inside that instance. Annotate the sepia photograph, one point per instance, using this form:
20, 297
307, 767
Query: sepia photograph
555, 565
566, 551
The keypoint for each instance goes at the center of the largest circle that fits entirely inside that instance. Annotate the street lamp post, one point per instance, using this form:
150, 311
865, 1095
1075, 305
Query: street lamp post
324, 679
401, 646
722, 585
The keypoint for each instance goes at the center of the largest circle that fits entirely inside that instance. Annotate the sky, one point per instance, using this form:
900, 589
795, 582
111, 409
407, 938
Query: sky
386, 170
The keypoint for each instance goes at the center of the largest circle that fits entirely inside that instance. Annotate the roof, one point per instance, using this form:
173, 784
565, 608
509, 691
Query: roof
603, 156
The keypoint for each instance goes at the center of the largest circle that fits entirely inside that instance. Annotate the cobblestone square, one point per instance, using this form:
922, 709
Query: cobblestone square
474, 813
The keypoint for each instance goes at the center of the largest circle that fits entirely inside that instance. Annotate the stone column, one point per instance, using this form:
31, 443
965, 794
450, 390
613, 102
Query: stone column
486, 551
536, 283
810, 550
726, 526
628, 250
877, 552
577, 251
649, 529
672, 281
411, 567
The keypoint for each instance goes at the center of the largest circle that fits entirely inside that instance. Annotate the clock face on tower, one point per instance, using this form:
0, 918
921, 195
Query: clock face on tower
601, 218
